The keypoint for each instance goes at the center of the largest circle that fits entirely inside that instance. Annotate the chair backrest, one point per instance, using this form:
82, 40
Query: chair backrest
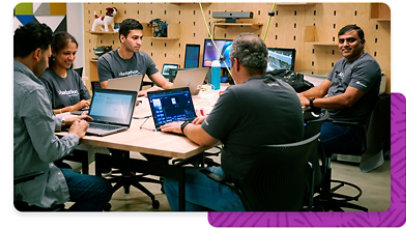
279, 177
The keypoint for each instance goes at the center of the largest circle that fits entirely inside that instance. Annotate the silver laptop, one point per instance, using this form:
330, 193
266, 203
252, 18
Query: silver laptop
192, 78
132, 83
111, 111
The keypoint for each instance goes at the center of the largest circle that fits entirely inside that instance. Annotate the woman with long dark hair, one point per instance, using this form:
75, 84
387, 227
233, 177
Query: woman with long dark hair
67, 91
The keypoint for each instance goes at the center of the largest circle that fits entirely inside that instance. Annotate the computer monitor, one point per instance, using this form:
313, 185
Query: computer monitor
169, 70
192, 54
210, 52
281, 58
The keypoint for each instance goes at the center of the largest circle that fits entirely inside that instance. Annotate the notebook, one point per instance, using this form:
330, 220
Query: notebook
192, 78
111, 111
132, 83
171, 105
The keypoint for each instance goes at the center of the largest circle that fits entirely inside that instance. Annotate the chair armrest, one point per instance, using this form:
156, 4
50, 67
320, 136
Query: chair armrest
347, 123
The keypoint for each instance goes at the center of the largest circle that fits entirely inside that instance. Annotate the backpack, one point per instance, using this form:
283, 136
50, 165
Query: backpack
296, 80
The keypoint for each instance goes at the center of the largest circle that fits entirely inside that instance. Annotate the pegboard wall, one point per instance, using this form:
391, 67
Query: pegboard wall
310, 28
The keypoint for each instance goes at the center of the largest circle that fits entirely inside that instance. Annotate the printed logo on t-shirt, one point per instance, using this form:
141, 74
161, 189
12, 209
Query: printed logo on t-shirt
359, 83
68, 92
129, 73
272, 84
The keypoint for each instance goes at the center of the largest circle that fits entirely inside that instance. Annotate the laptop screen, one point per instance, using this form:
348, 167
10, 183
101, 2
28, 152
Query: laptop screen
171, 105
113, 106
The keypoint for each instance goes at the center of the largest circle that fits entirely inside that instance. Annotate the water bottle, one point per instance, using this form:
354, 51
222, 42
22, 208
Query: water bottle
215, 74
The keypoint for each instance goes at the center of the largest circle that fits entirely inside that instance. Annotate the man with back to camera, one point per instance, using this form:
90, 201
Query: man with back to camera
257, 111
349, 94
35, 144
128, 60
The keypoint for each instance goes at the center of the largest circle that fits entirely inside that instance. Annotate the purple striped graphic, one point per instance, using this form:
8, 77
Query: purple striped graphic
395, 216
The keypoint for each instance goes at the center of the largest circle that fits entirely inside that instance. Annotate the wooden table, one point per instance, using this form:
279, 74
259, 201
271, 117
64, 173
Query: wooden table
147, 141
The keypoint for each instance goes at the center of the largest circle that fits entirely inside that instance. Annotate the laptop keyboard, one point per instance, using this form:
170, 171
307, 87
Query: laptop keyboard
100, 126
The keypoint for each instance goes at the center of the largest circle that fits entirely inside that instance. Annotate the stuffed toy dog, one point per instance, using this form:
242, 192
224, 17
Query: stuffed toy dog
105, 21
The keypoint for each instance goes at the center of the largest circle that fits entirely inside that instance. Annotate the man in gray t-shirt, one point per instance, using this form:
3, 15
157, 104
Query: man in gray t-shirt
349, 94
257, 111
128, 60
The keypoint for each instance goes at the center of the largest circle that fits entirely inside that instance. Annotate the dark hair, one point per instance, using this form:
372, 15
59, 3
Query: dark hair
352, 27
59, 41
31, 37
251, 52
127, 25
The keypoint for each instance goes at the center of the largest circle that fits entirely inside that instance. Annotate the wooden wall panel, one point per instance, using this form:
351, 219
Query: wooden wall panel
289, 28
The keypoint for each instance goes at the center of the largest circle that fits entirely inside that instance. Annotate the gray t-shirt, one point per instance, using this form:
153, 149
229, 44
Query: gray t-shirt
111, 65
261, 111
64, 92
364, 74
35, 144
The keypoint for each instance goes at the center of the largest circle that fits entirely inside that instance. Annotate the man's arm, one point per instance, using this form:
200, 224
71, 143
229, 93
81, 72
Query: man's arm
160, 80
344, 100
316, 92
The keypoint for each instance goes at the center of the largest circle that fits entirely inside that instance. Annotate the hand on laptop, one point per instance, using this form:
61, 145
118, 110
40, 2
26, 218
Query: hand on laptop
144, 92
173, 127
69, 119
199, 120
79, 128
81, 104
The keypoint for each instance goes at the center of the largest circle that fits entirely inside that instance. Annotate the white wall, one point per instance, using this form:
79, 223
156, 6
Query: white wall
74, 21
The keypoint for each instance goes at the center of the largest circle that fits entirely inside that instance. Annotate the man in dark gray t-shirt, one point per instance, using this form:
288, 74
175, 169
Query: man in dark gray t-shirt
257, 111
128, 60
349, 94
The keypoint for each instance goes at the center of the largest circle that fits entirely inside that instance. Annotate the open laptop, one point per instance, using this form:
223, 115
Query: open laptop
192, 78
132, 83
111, 111
171, 105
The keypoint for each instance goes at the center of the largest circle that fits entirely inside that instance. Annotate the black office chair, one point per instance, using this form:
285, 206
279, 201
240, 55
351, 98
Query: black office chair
123, 176
313, 119
201, 160
279, 180
329, 198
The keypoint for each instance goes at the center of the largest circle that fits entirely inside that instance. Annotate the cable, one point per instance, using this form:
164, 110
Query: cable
212, 40
142, 125
270, 13
148, 116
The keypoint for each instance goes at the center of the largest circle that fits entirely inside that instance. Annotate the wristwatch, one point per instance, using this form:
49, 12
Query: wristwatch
311, 99
183, 125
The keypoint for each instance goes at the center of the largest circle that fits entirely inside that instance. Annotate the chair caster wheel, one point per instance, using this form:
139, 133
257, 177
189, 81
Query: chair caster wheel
155, 204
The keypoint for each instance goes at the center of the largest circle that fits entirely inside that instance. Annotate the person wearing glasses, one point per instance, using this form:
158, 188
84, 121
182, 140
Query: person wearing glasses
259, 110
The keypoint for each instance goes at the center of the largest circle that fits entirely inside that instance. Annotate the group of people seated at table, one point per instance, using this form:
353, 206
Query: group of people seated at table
265, 111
